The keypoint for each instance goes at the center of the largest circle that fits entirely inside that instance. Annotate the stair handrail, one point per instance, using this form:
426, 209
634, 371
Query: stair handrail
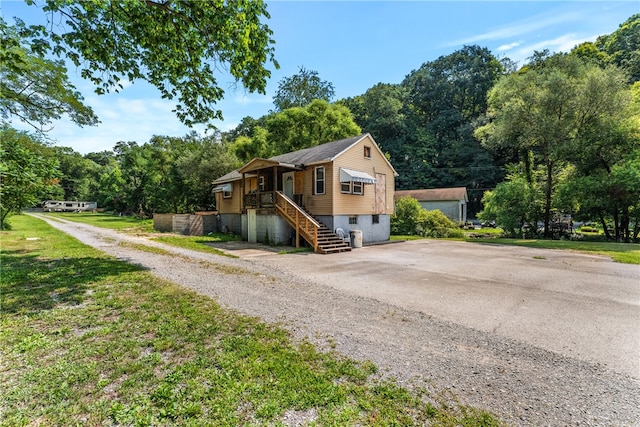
282, 202
302, 211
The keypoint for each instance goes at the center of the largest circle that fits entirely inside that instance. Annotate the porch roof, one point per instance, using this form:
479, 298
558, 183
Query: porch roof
258, 163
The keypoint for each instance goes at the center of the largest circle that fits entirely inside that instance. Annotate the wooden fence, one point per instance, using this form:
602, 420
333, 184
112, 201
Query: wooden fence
200, 224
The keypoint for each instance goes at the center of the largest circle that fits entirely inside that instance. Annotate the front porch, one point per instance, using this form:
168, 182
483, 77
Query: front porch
272, 190
288, 224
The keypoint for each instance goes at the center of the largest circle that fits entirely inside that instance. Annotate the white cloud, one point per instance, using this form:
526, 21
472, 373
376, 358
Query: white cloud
248, 100
520, 28
122, 119
562, 43
509, 46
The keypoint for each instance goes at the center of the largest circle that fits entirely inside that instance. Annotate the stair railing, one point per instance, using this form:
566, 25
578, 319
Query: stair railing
301, 221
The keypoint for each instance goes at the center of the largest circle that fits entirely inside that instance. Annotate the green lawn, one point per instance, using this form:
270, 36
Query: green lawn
91, 340
198, 243
132, 224
123, 223
627, 253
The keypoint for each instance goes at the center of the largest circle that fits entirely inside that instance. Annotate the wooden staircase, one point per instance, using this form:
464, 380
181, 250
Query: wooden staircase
323, 240
329, 242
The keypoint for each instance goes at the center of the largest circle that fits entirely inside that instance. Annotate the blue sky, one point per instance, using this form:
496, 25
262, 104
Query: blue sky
353, 45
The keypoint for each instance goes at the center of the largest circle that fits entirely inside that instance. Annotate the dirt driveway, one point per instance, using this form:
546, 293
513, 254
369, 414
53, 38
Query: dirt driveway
537, 337
580, 306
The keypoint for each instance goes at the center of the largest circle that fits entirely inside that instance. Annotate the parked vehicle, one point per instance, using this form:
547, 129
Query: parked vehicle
68, 206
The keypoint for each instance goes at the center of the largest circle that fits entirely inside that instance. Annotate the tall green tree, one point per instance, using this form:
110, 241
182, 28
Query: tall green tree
209, 159
166, 174
79, 175
623, 47
383, 112
302, 127
28, 175
36, 90
552, 108
515, 204
446, 98
257, 146
301, 89
137, 176
174, 45
297, 128
111, 194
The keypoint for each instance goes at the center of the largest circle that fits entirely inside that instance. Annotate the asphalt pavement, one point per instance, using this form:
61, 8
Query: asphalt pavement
579, 305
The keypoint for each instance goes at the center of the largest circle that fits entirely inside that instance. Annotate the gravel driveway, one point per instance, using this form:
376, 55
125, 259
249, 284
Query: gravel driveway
444, 331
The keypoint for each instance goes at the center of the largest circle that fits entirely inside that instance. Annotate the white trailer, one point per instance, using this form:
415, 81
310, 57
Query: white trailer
68, 206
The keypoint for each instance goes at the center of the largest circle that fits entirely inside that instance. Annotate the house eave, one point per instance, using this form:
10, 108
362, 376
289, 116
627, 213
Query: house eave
259, 163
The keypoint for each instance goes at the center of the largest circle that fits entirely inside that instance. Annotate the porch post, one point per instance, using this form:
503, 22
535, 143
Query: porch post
242, 207
258, 189
275, 184
297, 229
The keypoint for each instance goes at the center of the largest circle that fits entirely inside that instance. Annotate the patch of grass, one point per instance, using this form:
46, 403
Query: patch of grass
627, 253
483, 233
295, 250
130, 224
89, 339
406, 237
144, 248
198, 243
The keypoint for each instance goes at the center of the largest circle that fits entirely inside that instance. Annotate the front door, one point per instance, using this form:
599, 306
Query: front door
288, 184
252, 234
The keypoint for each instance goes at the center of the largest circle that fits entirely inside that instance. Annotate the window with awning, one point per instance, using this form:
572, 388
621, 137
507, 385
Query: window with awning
224, 188
349, 176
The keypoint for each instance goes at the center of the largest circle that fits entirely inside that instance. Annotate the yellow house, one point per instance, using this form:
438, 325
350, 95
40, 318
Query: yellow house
328, 195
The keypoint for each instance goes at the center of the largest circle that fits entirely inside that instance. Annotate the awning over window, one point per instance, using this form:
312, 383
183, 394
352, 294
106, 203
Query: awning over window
224, 187
348, 175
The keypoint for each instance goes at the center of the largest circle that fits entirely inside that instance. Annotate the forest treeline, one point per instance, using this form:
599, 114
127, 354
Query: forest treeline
559, 135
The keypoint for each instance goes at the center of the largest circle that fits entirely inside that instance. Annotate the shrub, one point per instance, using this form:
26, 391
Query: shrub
405, 218
411, 219
436, 224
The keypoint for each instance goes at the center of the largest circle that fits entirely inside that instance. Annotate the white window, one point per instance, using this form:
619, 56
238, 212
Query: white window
367, 152
358, 188
350, 187
353, 220
319, 180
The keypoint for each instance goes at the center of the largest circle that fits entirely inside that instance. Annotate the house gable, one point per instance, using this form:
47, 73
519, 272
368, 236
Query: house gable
365, 157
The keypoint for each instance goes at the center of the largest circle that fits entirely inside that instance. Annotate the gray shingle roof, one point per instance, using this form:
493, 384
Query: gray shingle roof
434, 194
231, 176
318, 154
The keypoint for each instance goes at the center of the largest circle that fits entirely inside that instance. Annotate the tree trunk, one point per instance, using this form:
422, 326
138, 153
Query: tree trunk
5, 213
624, 225
616, 223
547, 202
604, 227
